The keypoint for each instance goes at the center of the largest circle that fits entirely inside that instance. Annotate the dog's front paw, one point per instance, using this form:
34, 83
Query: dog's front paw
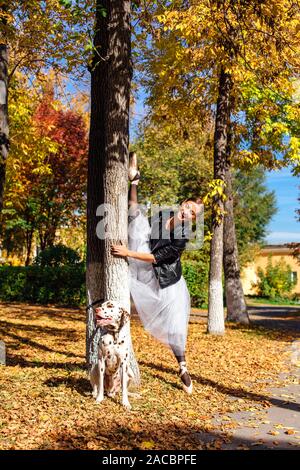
99, 398
127, 405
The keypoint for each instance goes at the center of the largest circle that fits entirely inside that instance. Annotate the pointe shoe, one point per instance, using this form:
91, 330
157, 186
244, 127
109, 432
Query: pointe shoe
182, 371
133, 172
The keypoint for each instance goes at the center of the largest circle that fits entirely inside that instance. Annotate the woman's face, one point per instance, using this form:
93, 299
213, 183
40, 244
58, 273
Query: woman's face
188, 210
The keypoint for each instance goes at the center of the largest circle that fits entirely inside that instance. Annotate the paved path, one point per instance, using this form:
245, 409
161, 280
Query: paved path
269, 316
277, 427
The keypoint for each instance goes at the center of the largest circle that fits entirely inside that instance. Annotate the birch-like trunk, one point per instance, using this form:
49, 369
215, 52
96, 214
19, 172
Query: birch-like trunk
216, 323
111, 71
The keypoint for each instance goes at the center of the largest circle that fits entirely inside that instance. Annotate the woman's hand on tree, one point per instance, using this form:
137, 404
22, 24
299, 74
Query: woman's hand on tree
119, 250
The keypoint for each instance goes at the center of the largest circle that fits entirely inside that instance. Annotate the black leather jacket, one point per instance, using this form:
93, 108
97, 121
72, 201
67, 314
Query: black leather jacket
167, 247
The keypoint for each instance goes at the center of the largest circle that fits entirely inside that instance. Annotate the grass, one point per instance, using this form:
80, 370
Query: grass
263, 300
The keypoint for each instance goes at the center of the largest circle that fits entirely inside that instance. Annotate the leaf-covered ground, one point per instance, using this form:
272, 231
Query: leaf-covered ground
45, 396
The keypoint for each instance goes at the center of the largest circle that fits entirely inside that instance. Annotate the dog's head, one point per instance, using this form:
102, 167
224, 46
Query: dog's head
111, 315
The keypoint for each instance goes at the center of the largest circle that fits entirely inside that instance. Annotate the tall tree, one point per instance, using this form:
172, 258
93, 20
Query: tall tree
198, 43
215, 293
61, 194
46, 169
111, 72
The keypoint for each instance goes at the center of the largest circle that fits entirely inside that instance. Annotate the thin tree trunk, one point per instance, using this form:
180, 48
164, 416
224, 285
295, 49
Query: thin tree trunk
50, 235
43, 240
235, 300
4, 129
111, 71
29, 237
215, 295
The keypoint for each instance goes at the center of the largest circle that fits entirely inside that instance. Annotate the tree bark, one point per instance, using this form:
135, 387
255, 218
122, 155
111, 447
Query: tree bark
111, 72
4, 129
216, 323
29, 237
235, 300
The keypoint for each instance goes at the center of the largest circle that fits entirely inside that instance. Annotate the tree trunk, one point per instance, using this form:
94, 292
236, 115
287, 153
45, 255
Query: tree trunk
215, 295
43, 241
47, 237
111, 71
29, 237
4, 141
235, 300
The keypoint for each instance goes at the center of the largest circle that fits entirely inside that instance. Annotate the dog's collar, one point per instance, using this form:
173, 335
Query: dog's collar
91, 305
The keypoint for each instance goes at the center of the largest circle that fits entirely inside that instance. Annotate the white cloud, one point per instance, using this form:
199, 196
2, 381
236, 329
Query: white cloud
283, 237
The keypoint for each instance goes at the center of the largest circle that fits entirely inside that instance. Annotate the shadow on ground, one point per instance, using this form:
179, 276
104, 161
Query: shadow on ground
124, 437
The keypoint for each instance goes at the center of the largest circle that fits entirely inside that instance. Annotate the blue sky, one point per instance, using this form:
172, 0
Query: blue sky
284, 226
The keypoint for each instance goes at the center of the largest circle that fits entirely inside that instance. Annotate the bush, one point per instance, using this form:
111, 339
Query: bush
60, 285
66, 284
57, 255
196, 276
276, 281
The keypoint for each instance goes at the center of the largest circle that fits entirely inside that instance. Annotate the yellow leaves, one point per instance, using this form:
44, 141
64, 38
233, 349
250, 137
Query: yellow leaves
214, 33
29, 149
147, 445
6, 16
247, 158
24, 148
294, 144
208, 236
217, 188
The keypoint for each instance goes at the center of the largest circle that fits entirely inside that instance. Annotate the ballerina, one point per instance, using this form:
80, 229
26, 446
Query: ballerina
157, 287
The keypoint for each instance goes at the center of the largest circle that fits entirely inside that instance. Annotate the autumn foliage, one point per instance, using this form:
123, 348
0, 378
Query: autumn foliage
46, 169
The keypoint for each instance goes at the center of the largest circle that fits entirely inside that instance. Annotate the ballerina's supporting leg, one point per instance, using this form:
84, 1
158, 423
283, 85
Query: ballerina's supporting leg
184, 375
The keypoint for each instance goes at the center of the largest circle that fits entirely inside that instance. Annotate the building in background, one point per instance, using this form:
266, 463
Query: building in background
249, 273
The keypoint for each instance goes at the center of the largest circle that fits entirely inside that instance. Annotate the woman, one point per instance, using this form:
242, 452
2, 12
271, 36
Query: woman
157, 286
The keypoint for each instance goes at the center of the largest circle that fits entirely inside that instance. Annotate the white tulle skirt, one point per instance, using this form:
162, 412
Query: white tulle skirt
163, 312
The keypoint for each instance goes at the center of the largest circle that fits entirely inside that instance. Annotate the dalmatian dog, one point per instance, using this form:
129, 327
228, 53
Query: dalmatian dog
112, 371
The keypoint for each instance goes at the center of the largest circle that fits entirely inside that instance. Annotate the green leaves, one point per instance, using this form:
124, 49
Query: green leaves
102, 11
66, 3
275, 280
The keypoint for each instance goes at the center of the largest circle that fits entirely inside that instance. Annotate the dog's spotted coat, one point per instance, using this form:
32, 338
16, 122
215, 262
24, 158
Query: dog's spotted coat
113, 368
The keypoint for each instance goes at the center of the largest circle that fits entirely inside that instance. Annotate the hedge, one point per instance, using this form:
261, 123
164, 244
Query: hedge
65, 285
196, 276
43, 285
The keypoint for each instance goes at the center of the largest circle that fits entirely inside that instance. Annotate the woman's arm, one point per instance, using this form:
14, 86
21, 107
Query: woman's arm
121, 250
